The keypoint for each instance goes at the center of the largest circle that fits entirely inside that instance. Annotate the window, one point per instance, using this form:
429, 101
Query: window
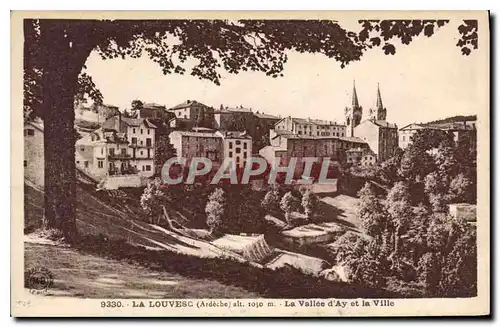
245, 145
124, 151
29, 132
133, 131
245, 155
142, 152
77, 162
148, 142
148, 131
238, 150
100, 164
25, 163
305, 148
82, 149
230, 154
142, 168
230, 144
142, 131
86, 164
238, 160
317, 133
238, 142
112, 151
148, 168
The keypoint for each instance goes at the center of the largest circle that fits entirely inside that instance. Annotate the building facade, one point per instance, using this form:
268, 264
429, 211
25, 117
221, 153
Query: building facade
381, 136
286, 145
310, 127
361, 157
34, 159
190, 144
237, 146
121, 146
199, 114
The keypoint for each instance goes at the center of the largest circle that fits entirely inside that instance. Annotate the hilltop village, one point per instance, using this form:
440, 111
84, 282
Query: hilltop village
124, 149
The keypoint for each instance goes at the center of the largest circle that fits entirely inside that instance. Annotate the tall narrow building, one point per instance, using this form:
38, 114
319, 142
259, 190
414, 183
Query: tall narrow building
353, 114
379, 112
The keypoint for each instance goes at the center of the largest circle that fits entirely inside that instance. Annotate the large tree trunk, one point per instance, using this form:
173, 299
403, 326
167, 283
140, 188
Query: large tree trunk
63, 61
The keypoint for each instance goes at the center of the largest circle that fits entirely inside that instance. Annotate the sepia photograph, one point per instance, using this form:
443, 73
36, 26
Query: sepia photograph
250, 163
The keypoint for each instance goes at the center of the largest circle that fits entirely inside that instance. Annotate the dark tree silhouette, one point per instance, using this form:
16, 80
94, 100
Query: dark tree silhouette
55, 52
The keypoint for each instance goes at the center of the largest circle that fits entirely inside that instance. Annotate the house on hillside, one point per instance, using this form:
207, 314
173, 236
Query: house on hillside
34, 163
152, 111
121, 148
237, 146
197, 113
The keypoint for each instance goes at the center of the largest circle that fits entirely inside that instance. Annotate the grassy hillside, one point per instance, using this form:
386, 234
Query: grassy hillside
118, 219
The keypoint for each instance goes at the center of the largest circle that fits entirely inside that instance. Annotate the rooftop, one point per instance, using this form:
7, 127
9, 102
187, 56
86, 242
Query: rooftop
265, 116
313, 121
198, 134
236, 134
188, 104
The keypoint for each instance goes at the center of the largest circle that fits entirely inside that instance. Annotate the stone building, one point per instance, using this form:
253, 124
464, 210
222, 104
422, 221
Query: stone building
206, 144
361, 157
153, 111
237, 146
286, 145
121, 146
196, 113
381, 136
310, 127
34, 159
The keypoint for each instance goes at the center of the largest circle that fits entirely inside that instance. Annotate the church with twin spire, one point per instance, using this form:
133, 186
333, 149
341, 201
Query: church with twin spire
381, 136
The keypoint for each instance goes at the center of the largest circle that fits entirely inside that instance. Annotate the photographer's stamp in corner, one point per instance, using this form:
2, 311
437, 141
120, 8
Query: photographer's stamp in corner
250, 164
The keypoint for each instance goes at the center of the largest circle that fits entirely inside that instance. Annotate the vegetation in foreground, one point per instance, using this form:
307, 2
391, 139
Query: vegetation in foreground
414, 240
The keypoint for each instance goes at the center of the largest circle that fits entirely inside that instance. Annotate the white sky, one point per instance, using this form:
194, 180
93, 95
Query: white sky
426, 80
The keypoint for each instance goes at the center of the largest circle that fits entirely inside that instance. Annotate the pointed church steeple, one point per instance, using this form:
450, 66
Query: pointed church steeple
355, 102
379, 98
354, 113
379, 112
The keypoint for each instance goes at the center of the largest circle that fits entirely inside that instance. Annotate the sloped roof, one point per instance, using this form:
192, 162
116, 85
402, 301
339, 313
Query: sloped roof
188, 104
236, 135
153, 105
110, 123
352, 139
198, 134
385, 124
411, 127
265, 116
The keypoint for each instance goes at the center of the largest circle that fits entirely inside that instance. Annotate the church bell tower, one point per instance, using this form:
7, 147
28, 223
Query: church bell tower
353, 114
379, 112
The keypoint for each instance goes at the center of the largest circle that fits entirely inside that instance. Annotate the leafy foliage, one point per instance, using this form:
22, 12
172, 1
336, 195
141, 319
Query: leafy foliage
371, 211
216, 210
271, 201
309, 202
287, 204
152, 199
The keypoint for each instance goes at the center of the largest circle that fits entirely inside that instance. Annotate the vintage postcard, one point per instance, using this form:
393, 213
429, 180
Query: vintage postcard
246, 164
